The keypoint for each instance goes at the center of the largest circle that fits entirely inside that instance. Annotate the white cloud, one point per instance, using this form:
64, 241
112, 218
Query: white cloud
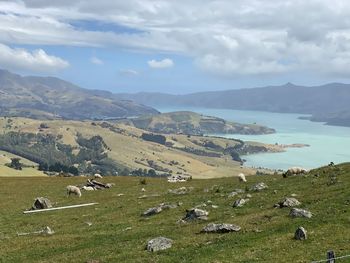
37, 60
128, 72
165, 63
223, 37
96, 61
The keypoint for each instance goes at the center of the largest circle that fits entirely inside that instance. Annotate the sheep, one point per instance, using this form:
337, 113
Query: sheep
241, 178
71, 189
88, 188
98, 176
294, 171
143, 190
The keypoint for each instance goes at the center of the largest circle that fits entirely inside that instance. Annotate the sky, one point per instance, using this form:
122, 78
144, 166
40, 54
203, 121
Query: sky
178, 46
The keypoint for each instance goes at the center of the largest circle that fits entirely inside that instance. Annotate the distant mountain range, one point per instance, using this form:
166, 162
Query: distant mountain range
51, 98
328, 103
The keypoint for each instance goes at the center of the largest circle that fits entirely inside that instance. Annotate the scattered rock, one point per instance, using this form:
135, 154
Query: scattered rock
275, 191
258, 187
41, 203
120, 195
288, 202
297, 212
220, 228
45, 231
300, 234
294, 195
232, 194
88, 223
195, 213
156, 210
215, 206
249, 196
240, 202
159, 243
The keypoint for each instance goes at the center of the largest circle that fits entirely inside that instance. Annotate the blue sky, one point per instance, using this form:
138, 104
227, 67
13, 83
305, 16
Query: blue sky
177, 46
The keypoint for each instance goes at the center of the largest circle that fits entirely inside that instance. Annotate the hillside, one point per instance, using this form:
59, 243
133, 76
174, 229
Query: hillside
115, 231
327, 103
109, 148
195, 124
52, 98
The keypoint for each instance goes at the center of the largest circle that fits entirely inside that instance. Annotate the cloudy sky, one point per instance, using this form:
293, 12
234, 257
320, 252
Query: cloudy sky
177, 46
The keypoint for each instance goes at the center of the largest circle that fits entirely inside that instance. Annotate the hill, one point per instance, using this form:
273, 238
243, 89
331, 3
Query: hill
186, 122
327, 103
52, 98
115, 231
108, 148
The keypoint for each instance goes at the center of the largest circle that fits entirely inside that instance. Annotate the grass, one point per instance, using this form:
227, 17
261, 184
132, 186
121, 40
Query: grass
266, 235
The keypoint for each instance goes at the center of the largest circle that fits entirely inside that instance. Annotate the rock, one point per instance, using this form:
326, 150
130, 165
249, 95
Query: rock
41, 203
297, 212
195, 213
47, 231
258, 187
159, 243
232, 194
300, 234
215, 206
294, 195
156, 210
249, 196
152, 211
220, 228
288, 202
240, 202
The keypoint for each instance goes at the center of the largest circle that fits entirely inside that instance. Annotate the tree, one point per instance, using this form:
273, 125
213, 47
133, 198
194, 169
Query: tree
15, 163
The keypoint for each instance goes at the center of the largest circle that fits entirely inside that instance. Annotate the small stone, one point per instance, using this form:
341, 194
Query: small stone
180, 191
195, 214
239, 202
220, 228
249, 196
300, 234
297, 212
258, 187
159, 243
289, 202
152, 211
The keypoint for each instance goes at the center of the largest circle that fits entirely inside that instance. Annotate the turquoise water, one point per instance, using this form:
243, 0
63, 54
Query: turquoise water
327, 143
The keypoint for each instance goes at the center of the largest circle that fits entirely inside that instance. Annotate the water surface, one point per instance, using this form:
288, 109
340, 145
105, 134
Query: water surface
327, 143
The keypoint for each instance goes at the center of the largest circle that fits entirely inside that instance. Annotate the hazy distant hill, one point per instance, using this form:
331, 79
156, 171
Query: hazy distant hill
329, 103
48, 97
186, 122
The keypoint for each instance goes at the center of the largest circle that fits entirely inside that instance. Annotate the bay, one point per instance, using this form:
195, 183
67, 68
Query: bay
327, 143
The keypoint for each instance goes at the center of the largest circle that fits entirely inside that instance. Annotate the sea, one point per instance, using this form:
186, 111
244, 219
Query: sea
327, 143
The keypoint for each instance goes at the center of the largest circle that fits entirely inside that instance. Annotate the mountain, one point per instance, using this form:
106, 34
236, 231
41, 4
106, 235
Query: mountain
327, 103
185, 122
49, 98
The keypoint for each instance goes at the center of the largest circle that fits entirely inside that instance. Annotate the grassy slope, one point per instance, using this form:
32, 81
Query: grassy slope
108, 241
5, 158
132, 151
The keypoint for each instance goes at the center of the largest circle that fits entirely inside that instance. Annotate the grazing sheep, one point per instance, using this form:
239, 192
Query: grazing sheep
241, 178
98, 176
143, 190
294, 171
71, 189
88, 188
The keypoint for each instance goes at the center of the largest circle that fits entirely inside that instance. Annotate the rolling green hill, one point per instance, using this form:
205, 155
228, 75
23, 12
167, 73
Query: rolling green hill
115, 231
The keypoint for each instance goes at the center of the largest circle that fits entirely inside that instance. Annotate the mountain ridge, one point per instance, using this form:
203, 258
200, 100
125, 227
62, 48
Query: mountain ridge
51, 97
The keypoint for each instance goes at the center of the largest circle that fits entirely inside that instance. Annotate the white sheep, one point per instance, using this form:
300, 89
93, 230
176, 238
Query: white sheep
88, 188
295, 170
71, 189
143, 190
98, 176
241, 178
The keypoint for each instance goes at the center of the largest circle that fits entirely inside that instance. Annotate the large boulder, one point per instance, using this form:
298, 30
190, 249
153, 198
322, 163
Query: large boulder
159, 243
297, 212
258, 187
300, 233
220, 228
240, 202
288, 202
41, 203
196, 214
